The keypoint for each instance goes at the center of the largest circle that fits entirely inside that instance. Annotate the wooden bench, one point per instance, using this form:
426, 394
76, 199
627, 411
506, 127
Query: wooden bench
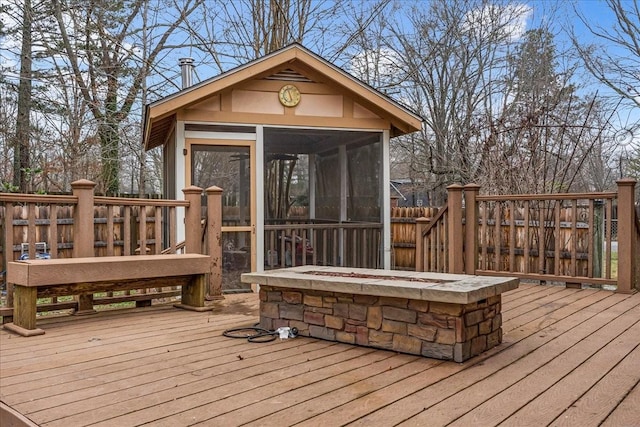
443, 316
84, 276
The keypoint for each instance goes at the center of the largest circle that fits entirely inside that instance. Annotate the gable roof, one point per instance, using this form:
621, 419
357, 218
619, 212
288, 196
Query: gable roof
289, 63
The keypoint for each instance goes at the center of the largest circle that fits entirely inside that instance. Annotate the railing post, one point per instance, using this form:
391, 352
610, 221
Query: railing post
192, 220
8, 254
471, 228
454, 229
83, 233
421, 224
214, 241
627, 235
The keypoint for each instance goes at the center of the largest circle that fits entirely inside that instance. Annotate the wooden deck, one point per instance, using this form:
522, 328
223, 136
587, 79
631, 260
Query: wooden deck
569, 357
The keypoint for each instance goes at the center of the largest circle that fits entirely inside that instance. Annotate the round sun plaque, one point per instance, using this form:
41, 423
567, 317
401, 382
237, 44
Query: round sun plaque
289, 95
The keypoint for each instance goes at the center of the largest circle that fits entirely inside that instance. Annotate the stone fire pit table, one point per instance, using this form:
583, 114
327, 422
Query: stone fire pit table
443, 316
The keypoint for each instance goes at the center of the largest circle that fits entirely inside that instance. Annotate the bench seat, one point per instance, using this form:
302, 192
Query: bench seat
85, 276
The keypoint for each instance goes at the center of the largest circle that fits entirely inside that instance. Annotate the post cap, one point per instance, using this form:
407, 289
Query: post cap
213, 190
83, 183
626, 181
192, 189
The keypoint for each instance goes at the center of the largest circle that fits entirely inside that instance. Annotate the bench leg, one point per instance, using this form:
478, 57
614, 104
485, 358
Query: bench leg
193, 294
24, 312
85, 305
143, 303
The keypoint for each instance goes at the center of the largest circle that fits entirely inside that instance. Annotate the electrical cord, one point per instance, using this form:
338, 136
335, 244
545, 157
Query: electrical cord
258, 334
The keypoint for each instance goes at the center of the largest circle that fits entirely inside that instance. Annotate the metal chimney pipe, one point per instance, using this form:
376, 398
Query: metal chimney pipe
186, 70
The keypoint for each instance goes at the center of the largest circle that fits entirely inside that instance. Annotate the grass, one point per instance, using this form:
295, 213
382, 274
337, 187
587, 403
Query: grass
614, 265
49, 300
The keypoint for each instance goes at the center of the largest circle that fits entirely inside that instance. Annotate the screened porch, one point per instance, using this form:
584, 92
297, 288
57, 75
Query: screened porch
320, 203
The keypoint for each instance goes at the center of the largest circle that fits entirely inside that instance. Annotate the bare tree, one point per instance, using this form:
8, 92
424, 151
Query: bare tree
490, 115
95, 38
22, 158
451, 55
8, 111
616, 66
236, 32
541, 136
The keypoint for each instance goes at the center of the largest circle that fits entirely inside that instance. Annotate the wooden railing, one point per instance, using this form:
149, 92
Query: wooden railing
84, 225
433, 242
328, 243
547, 237
556, 237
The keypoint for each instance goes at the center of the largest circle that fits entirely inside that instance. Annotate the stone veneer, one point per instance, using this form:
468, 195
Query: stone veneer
439, 330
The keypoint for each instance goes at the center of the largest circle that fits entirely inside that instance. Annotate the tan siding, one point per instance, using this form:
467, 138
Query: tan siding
320, 106
244, 101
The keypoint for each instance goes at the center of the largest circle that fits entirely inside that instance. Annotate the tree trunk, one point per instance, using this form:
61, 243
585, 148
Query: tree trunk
110, 139
21, 156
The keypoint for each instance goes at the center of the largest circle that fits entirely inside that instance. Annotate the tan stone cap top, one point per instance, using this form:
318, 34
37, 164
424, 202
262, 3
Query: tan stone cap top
441, 287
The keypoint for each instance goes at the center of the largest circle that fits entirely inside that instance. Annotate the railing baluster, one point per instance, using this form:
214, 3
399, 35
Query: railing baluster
110, 249
497, 237
8, 246
158, 231
294, 244
512, 235
314, 240
109, 233
485, 236
527, 236
354, 248
607, 247
31, 230
365, 249
283, 249
142, 227
574, 236
591, 239
440, 254
325, 247
541, 238
126, 225
336, 232
52, 236
558, 238
173, 232
433, 248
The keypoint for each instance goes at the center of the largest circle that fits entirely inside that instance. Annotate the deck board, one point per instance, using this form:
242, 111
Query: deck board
528, 338
550, 397
626, 413
569, 357
594, 405
523, 380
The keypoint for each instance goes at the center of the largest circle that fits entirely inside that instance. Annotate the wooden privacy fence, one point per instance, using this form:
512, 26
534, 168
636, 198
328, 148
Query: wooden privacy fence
548, 237
84, 225
403, 234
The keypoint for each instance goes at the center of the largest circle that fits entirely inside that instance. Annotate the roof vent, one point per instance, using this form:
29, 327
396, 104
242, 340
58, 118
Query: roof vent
186, 69
288, 75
